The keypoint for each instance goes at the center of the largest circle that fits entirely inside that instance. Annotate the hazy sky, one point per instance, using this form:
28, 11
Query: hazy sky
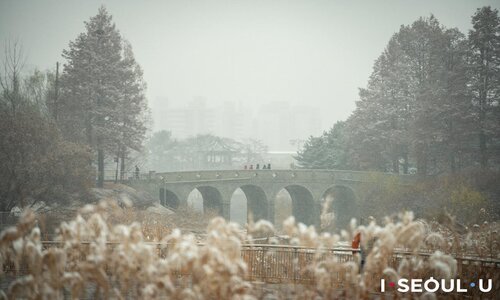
307, 52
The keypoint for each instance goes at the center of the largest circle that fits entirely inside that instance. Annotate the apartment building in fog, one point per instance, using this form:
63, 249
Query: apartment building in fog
281, 125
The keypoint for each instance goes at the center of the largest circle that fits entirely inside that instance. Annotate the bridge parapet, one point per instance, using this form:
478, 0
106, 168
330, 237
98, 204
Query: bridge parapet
300, 175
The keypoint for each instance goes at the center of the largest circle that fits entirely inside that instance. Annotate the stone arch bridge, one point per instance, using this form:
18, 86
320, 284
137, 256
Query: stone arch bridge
307, 189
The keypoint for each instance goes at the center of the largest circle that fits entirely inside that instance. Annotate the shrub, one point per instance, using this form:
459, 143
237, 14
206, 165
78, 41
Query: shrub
37, 164
430, 197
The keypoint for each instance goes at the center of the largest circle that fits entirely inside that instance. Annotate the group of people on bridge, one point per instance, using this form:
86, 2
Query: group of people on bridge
257, 167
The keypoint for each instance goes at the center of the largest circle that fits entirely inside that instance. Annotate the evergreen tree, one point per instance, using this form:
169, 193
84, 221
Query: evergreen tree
325, 152
162, 151
132, 113
415, 103
103, 91
484, 42
453, 107
423, 44
414, 111
314, 154
378, 128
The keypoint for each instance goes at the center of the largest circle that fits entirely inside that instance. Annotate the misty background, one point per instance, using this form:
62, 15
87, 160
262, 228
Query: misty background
258, 110
276, 71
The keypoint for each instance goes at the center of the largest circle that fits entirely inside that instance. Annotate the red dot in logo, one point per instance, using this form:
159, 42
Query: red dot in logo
392, 284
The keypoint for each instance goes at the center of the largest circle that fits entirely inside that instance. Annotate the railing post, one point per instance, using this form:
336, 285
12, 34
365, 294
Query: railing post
295, 263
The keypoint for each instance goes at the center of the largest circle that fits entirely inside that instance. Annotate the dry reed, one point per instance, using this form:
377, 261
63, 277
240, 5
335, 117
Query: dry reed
103, 253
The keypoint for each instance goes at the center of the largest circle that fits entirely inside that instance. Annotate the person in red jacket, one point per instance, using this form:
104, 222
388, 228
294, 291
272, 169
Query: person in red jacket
356, 242
356, 247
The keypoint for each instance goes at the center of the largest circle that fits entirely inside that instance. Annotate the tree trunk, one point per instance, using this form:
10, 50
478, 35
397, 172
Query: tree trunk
395, 164
483, 155
453, 165
100, 167
117, 159
56, 94
405, 164
422, 159
88, 130
122, 165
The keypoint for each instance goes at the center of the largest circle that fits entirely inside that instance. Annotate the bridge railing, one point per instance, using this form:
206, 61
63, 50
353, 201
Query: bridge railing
111, 175
272, 174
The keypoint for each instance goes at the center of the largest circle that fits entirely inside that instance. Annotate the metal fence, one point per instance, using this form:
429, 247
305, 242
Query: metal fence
287, 264
8, 218
290, 264
283, 263
278, 264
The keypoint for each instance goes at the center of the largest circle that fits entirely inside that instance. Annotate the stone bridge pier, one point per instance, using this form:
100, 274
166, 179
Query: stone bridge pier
307, 189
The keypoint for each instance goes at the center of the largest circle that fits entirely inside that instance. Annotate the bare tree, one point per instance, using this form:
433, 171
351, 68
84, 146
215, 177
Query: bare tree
13, 64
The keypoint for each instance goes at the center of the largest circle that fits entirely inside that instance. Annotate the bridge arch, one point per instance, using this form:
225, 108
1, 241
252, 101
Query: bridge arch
212, 198
343, 204
257, 203
169, 199
303, 204
238, 211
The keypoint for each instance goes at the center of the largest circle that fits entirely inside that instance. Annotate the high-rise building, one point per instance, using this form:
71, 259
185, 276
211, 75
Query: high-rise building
195, 118
280, 125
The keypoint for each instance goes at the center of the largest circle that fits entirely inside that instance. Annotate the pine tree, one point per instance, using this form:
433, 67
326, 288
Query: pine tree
423, 43
162, 151
380, 122
102, 90
484, 42
417, 107
416, 99
453, 107
132, 113
325, 152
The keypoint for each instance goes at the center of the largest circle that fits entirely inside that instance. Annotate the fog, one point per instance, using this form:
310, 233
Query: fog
281, 149
260, 60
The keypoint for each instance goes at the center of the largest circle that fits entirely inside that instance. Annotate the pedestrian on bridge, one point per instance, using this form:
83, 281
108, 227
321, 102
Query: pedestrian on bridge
137, 172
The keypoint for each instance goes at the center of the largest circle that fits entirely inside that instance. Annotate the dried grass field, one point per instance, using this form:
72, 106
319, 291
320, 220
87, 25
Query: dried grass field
103, 254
